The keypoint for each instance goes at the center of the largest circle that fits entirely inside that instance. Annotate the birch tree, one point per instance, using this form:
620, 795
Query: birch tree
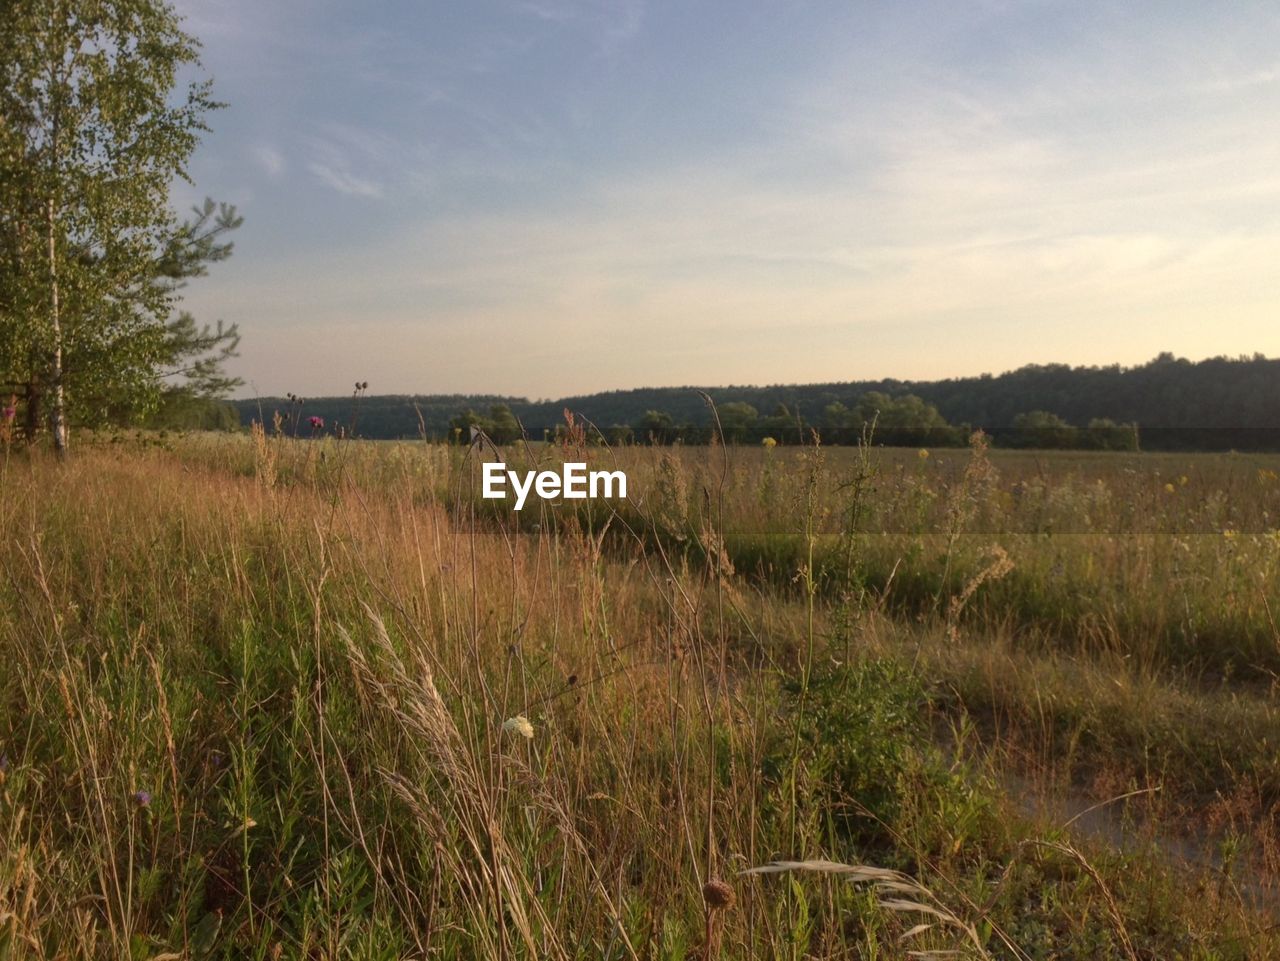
95, 126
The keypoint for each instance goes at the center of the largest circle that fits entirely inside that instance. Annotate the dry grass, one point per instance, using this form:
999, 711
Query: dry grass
257, 698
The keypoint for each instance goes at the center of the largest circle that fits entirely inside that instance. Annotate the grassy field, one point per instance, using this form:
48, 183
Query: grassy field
269, 698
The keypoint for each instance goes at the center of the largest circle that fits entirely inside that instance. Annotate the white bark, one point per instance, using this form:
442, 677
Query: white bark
57, 413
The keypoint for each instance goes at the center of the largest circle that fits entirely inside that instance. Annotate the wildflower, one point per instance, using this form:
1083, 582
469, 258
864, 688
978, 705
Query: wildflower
518, 725
10, 413
1182, 481
317, 423
1168, 488
1230, 534
768, 443
922, 454
142, 799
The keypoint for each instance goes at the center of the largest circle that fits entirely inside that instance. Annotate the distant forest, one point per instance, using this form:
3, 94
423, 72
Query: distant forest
1167, 404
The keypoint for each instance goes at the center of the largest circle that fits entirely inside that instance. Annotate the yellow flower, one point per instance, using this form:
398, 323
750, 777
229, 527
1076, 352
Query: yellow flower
768, 442
1168, 488
1182, 481
924, 454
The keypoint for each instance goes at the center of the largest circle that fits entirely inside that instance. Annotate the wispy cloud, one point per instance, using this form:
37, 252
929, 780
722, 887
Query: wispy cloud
711, 192
343, 180
356, 160
1234, 83
269, 159
610, 22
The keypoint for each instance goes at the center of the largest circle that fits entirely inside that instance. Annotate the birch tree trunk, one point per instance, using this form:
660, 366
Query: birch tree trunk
57, 409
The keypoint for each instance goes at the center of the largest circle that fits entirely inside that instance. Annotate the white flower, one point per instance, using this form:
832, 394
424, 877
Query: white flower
518, 725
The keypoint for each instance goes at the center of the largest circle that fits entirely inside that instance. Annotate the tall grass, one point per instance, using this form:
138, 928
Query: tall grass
270, 698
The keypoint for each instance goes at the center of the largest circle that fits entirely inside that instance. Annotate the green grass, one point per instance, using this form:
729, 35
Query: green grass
256, 694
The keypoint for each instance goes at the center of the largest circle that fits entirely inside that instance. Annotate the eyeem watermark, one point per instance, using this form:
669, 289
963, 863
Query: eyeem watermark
574, 482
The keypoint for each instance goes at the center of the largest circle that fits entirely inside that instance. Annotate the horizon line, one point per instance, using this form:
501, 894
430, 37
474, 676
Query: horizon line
1174, 358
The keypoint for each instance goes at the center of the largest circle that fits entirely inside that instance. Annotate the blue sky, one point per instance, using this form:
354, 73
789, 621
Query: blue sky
548, 197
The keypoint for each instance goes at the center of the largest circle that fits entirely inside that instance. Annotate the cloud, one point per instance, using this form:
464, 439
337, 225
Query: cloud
353, 160
904, 194
269, 159
1237, 82
611, 23
555, 12
341, 179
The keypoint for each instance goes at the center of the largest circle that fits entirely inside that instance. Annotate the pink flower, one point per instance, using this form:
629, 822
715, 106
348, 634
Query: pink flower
10, 413
317, 423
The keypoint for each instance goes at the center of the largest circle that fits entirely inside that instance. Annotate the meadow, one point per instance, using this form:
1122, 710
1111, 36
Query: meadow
266, 697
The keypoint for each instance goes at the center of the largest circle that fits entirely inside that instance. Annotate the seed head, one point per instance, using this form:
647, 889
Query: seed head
518, 725
718, 895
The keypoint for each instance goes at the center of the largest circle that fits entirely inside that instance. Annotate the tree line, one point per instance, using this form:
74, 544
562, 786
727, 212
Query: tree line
905, 421
877, 418
1166, 404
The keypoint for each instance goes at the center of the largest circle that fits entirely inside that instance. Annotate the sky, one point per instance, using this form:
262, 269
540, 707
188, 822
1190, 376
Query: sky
553, 197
